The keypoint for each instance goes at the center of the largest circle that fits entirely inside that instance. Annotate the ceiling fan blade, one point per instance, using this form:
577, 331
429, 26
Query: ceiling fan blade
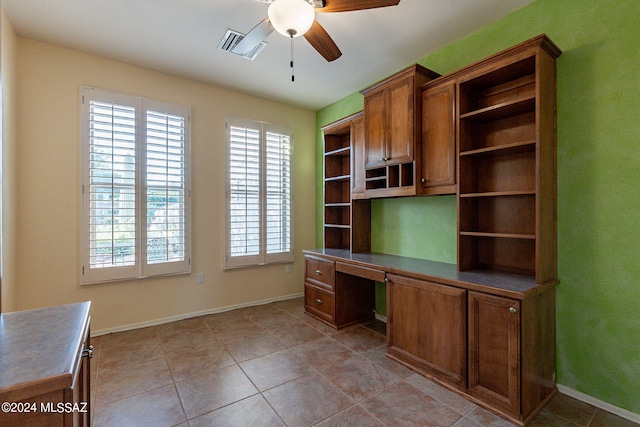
318, 37
349, 5
254, 37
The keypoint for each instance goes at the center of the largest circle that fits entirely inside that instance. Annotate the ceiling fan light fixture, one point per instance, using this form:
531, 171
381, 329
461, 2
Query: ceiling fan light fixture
291, 18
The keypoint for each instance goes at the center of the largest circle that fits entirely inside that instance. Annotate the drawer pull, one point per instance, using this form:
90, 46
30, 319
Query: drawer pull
88, 352
512, 310
319, 273
319, 301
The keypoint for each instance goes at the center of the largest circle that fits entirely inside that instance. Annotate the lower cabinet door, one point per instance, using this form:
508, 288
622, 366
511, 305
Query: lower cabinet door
319, 303
494, 350
426, 325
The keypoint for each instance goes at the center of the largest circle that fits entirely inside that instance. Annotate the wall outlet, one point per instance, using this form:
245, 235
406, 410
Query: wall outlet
200, 277
287, 268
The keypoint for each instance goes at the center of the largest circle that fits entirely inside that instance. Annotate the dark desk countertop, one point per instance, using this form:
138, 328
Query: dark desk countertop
514, 285
39, 349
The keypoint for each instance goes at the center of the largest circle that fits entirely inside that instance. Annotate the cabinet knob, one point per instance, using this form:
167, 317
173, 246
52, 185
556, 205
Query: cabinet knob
88, 352
423, 180
319, 273
512, 310
319, 301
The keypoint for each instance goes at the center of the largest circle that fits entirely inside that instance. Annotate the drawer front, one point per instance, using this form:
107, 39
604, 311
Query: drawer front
319, 302
360, 271
320, 272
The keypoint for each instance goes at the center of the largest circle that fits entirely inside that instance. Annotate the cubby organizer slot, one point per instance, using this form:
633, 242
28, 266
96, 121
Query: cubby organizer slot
508, 85
512, 172
337, 164
337, 191
509, 215
337, 237
497, 253
505, 131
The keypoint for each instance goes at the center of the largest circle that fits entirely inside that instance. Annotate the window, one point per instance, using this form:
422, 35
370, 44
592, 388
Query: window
258, 193
135, 187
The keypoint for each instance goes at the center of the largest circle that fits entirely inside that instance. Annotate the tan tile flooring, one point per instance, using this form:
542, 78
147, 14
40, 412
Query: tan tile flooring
272, 365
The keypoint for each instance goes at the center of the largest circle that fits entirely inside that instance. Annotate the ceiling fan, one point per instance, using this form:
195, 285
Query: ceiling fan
295, 18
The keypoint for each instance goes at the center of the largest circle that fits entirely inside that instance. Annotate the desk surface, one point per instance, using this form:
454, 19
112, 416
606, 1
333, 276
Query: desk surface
38, 349
507, 284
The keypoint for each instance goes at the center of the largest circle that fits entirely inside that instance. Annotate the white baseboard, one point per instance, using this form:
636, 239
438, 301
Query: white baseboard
631, 416
380, 317
164, 320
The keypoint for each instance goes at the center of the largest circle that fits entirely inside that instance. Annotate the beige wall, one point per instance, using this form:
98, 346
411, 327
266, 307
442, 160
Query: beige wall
48, 184
8, 41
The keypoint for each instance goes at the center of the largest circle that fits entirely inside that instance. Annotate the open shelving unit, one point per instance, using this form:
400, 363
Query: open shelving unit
346, 221
506, 163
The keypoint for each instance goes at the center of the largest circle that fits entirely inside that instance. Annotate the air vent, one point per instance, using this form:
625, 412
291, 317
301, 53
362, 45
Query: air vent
231, 40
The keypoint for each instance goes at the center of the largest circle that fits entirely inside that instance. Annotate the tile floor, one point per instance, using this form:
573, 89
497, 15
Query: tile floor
272, 365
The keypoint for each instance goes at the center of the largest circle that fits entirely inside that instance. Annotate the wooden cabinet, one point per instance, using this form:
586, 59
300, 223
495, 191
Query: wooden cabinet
427, 328
346, 222
485, 326
494, 350
52, 382
337, 299
512, 352
392, 131
506, 170
438, 148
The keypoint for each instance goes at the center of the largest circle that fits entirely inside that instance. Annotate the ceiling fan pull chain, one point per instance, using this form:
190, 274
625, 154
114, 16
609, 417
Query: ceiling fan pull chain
293, 78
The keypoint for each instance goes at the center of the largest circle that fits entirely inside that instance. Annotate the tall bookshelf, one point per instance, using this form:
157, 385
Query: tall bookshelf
506, 164
347, 222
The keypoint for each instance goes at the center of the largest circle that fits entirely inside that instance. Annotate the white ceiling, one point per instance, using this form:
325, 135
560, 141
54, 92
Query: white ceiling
181, 37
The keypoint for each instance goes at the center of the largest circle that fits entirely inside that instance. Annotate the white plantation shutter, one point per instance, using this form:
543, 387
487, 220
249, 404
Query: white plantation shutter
244, 191
166, 213
135, 187
278, 192
259, 193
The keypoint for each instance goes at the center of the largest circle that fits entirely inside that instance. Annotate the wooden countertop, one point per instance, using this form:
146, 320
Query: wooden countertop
39, 349
498, 283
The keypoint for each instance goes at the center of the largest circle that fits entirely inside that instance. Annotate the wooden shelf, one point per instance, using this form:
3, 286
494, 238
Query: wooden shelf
502, 110
376, 178
498, 235
338, 178
498, 194
344, 151
337, 226
503, 149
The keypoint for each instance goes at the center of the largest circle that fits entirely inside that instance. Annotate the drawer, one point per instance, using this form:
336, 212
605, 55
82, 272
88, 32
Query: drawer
360, 271
320, 272
320, 303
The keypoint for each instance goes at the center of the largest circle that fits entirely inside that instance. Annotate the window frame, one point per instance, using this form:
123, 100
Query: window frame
141, 268
263, 257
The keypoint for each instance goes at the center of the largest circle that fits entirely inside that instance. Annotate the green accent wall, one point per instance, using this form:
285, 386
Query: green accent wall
598, 299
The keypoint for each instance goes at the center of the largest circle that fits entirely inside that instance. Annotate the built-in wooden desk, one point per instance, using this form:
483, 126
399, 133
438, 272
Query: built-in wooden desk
487, 335
44, 366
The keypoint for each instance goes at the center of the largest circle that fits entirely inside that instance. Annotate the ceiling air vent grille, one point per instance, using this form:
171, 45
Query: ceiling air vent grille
231, 40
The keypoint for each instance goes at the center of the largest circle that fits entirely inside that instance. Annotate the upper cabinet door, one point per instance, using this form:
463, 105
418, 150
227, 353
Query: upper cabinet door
392, 131
438, 139
375, 128
401, 118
